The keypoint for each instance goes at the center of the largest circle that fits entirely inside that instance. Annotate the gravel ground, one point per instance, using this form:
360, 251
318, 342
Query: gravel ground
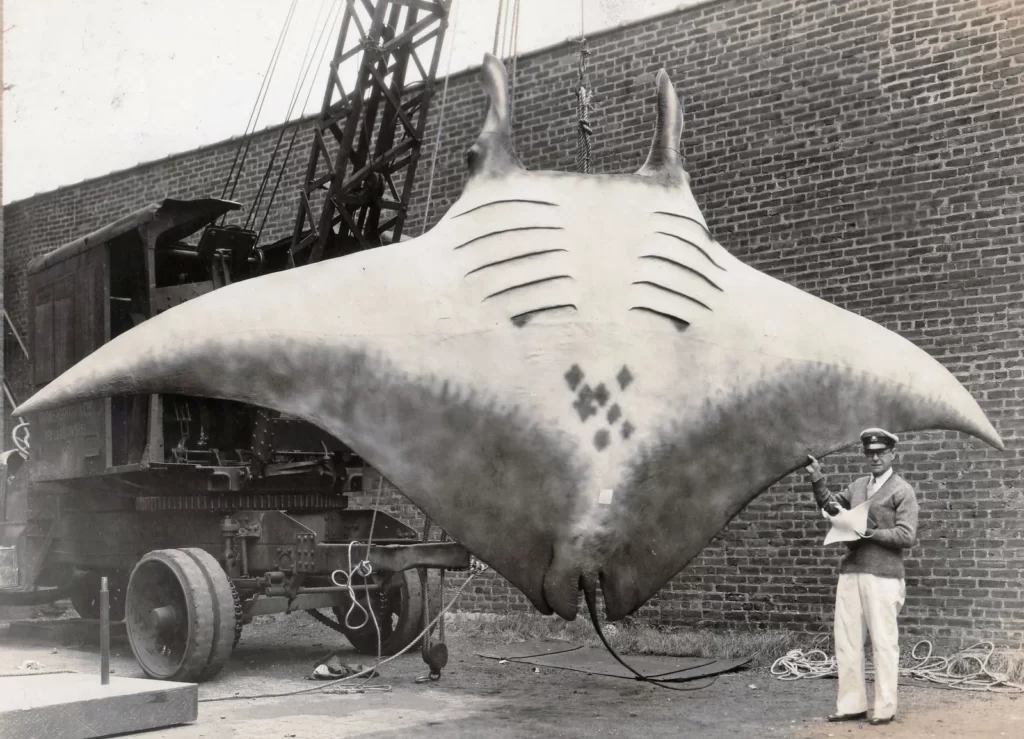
479, 697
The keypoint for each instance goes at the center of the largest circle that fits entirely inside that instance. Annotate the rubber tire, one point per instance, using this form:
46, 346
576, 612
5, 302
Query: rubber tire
85, 594
228, 622
206, 601
394, 636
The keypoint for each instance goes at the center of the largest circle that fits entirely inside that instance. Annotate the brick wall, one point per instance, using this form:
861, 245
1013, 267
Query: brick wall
869, 152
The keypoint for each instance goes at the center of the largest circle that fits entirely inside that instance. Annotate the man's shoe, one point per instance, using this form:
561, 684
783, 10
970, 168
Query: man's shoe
878, 721
847, 716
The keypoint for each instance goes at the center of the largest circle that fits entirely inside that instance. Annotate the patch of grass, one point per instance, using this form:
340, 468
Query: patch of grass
764, 647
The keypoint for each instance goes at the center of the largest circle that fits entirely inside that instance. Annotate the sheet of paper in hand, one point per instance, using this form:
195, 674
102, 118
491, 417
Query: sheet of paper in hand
848, 525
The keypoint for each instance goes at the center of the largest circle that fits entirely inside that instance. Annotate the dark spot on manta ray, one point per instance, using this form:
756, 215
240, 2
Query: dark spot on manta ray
601, 394
584, 403
614, 413
601, 439
624, 377
574, 377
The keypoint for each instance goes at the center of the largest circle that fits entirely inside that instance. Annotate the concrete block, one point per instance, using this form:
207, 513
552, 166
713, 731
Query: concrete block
77, 706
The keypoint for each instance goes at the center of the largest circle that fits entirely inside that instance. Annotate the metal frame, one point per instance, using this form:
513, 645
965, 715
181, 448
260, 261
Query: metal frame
377, 128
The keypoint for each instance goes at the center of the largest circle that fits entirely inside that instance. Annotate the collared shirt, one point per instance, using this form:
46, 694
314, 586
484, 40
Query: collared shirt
878, 482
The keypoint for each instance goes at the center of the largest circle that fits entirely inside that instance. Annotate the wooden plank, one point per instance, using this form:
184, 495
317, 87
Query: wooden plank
65, 631
76, 706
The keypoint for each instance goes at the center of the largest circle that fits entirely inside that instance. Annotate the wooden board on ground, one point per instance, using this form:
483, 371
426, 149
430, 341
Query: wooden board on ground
65, 631
77, 706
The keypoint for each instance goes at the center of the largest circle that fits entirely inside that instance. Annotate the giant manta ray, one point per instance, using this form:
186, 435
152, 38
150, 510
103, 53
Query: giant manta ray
568, 373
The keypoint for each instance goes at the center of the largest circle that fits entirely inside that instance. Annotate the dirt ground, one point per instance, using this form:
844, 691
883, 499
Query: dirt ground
479, 697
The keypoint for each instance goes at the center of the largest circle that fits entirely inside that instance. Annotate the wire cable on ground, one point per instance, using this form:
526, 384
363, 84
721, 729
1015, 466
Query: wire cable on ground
967, 669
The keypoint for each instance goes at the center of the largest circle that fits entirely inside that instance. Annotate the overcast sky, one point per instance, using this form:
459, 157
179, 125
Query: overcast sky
95, 86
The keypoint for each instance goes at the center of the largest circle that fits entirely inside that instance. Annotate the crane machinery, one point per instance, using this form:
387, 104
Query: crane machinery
204, 513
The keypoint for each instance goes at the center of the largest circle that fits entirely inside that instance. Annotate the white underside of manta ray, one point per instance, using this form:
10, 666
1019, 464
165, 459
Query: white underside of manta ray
568, 373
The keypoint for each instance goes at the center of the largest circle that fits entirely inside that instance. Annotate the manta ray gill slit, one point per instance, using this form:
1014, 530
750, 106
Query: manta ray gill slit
477, 239
502, 202
516, 258
694, 245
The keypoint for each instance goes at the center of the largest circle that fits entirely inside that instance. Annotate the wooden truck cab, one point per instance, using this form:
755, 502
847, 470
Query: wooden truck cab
86, 293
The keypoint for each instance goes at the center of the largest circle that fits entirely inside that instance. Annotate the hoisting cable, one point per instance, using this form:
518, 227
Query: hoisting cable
497, 27
257, 108
307, 63
514, 53
295, 133
590, 595
440, 115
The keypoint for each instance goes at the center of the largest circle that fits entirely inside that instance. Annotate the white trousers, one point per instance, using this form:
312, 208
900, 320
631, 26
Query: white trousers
868, 603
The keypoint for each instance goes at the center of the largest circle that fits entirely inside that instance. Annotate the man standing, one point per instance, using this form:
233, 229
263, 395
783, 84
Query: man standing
871, 590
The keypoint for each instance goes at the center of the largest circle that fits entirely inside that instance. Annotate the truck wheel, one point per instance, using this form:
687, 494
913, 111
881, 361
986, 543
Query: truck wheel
398, 606
180, 615
85, 594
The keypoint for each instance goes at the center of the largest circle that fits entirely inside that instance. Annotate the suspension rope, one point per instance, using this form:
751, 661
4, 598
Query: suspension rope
295, 129
497, 27
440, 116
584, 131
514, 53
307, 63
257, 108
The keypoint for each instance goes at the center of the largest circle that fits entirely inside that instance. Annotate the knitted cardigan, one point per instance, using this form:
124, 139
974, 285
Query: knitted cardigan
893, 516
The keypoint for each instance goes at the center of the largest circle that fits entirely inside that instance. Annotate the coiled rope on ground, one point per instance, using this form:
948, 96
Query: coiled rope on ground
967, 669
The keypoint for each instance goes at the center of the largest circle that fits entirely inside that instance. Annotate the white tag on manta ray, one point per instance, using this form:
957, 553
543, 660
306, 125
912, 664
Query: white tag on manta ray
848, 525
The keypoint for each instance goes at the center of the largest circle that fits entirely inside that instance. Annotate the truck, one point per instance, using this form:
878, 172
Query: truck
202, 513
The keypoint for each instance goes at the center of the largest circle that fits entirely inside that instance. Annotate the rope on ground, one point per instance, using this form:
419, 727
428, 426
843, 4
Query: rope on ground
331, 687
967, 669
